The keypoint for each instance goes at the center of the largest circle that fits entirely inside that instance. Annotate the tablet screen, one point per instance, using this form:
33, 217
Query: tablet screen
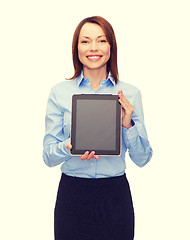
95, 124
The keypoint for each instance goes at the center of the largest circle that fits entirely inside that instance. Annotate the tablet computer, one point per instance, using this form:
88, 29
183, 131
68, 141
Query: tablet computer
96, 124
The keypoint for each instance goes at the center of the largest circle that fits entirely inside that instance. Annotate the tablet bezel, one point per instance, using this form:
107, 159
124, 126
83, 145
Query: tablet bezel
76, 97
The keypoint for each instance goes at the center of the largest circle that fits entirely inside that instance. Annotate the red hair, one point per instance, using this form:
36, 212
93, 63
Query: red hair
110, 35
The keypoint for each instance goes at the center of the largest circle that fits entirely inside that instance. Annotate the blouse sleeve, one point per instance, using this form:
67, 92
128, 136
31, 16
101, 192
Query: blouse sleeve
54, 150
135, 138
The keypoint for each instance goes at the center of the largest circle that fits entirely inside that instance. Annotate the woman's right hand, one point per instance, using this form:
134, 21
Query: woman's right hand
86, 155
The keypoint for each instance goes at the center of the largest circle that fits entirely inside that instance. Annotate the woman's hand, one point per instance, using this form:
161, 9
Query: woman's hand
86, 155
127, 110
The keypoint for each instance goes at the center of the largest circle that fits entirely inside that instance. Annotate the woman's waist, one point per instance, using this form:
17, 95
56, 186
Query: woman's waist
81, 179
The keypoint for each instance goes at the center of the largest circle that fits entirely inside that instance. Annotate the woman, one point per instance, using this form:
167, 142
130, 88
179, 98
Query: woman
94, 199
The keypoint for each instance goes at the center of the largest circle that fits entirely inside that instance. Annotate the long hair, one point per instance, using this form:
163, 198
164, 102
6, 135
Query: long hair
110, 35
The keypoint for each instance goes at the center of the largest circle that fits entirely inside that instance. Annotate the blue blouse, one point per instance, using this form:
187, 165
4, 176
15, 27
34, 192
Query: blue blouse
58, 127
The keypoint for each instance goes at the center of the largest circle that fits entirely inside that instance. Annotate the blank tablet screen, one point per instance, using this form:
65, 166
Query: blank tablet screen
96, 124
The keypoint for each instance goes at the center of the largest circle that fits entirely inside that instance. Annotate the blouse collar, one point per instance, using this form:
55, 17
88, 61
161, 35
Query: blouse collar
81, 78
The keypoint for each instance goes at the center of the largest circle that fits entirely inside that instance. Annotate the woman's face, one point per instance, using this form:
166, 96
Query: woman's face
93, 47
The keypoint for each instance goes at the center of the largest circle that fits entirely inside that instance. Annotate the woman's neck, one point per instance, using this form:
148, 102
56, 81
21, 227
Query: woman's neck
95, 76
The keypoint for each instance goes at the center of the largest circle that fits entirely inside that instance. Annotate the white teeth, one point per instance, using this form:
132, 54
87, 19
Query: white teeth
94, 57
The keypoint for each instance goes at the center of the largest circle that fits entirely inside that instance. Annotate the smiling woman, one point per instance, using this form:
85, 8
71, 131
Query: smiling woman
93, 47
95, 34
94, 198
93, 53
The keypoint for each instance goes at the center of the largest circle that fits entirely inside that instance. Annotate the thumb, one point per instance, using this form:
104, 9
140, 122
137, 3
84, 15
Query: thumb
68, 145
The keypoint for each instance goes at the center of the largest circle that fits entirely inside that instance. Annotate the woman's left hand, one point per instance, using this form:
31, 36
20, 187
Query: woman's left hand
127, 110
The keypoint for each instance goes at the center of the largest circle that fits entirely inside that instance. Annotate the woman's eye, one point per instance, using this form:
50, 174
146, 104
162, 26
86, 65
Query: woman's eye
84, 41
103, 41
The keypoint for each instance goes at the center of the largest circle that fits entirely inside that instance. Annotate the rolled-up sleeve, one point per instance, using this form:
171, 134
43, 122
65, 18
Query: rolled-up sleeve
54, 150
135, 138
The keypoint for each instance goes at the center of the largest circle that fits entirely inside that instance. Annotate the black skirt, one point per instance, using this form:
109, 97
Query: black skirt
94, 209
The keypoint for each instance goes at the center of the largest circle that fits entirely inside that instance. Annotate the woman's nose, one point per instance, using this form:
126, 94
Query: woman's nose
93, 46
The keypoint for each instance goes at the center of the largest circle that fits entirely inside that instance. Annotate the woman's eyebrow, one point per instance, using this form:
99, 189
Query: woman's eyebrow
84, 37
101, 36
97, 37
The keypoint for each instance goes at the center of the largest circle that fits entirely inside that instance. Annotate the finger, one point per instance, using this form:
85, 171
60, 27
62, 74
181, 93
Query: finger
126, 105
122, 97
96, 157
91, 155
123, 100
68, 146
84, 156
120, 93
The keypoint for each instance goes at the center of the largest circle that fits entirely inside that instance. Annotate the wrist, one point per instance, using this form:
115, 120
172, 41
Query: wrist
127, 126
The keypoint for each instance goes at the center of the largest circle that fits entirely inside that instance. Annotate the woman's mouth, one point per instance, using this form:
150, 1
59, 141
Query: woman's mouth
94, 58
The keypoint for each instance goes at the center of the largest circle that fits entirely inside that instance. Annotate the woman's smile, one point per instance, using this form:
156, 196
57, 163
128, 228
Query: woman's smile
94, 58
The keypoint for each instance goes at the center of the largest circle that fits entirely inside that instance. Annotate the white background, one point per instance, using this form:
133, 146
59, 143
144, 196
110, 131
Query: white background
153, 54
